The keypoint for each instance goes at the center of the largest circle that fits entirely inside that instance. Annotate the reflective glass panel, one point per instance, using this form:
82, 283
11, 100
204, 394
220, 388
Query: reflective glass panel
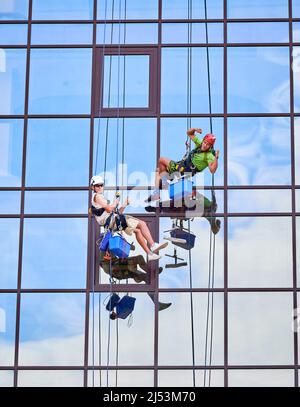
259, 326
180, 9
296, 9
12, 81
13, 34
9, 249
175, 322
10, 202
139, 144
61, 10
298, 249
297, 150
52, 329
121, 378
274, 200
6, 378
11, 141
53, 202
50, 378
258, 32
132, 351
179, 33
14, 10
259, 151
296, 70
180, 277
298, 200
54, 253
134, 10
257, 8
126, 81
7, 329
175, 93
60, 81
296, 32
173, 137
261, 378
131, 33
58, 152
251, 88
184, 378
61, 34
260, 252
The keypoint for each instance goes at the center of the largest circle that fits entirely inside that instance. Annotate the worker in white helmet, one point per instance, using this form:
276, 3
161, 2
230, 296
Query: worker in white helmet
102, 209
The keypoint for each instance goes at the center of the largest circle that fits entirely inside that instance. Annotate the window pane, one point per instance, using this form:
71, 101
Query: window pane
179, 351
184, 378
298, 250
297, 150
296, 70
14, 10
180, 9
9, 249
260, 252
257, 8
259, 201
260, 326
63, 144
298, 200
59, 247
6, 378
60, 81
55, 334
258, 32
131, 33
126, 81
9, 202
123, 378
134, 10
61, 10
259, 151
48, 202
179, 33
13, 34
261, 378
50, 378
61, 34
7, 329
174, 92
12, 81
180, 277
296, 32
251, 88
173, 137
11, 141
139, 150
131, 351
296, 9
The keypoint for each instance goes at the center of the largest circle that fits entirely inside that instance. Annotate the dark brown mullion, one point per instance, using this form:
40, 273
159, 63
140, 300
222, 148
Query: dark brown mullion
294, 247
225, 204
157, 223
18, 306
90, 263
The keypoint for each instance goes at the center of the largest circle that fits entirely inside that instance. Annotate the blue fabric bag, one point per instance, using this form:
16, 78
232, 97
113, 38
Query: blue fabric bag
113, 301
125, 306
105, 241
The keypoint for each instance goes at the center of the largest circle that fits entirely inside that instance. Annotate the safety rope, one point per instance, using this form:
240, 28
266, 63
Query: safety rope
212, 242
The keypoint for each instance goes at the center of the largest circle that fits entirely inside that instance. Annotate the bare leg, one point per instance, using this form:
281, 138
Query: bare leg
141, 240
142, 226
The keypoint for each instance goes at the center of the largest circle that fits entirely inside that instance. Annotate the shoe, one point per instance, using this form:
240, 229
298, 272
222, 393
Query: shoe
158, 246
175, 240
153, 256
163, 305
153, 197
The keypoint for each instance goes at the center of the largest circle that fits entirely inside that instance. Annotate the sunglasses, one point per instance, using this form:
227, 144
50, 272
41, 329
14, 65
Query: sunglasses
99, 185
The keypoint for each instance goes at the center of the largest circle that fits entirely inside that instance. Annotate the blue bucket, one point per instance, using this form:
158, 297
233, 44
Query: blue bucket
119, 247
180, 189
125, 306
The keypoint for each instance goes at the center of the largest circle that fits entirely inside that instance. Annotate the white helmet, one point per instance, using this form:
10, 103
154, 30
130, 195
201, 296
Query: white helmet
96, 180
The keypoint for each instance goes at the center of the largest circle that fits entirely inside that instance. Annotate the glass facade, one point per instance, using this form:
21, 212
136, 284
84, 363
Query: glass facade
88, 86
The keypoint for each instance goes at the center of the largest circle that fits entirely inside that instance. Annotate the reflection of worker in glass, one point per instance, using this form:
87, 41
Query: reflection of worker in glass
123, 269
197, 160
139, 227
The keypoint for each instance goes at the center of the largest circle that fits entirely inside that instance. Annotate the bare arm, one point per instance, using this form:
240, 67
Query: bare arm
123, 207
103, 203
214, 165
191, 132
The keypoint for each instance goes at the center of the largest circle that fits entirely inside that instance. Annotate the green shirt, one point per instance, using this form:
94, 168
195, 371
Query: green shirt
201, 160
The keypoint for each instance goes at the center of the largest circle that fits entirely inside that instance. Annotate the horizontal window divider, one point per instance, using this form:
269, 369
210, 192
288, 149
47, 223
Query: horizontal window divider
151, 215
148, 188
